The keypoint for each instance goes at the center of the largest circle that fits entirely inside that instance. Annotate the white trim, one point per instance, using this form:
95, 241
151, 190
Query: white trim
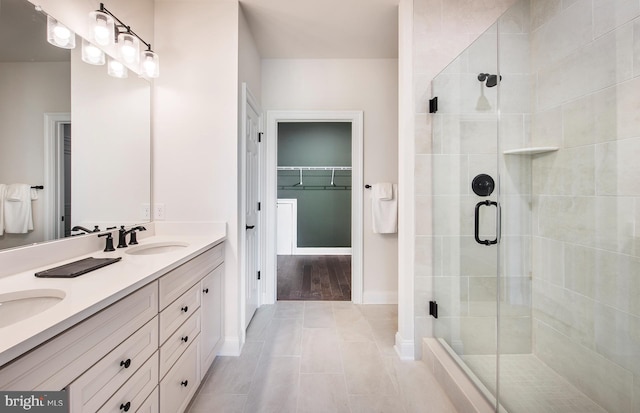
52, 151
230, 347
380, 297
357, 148
251, 101
404, 348
294, 222
406, 179
321, 251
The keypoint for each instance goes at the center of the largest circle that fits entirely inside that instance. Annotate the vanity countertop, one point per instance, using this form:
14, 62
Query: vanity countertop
89, 293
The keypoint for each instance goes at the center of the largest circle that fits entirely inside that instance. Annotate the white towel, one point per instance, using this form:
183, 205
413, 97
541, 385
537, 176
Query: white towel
383, 191
3, 191
385, 212
17, 209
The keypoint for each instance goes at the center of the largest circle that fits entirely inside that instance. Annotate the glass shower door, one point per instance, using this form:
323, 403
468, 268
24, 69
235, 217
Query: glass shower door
466, 195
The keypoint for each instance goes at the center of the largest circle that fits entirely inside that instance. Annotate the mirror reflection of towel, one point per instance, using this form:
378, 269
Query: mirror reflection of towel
17, 209
384, 211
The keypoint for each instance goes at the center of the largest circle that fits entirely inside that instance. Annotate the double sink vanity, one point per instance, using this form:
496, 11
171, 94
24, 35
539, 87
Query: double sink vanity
137, 335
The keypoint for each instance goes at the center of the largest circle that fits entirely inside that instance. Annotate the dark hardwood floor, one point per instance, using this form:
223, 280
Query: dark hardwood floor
314, 277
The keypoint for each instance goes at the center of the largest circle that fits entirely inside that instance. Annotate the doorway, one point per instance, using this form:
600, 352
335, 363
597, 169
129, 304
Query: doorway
57, 179
314, 211
334, 253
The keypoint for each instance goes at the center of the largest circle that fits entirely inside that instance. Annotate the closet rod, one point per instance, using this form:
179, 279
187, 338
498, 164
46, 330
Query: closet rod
314, 168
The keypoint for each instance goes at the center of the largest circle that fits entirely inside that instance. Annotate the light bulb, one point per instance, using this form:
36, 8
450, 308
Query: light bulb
91, 53
116, 69
59, 35
129, 49
150, 64
102, 28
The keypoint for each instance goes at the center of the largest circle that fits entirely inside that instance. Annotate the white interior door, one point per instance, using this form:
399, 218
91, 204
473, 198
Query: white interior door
252, 207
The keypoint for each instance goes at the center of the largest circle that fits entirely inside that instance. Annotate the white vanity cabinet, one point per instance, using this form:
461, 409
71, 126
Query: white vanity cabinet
145, 353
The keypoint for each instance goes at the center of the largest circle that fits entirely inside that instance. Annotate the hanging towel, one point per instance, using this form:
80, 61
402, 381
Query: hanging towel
17, 209
383, 191
384, 212
3, 191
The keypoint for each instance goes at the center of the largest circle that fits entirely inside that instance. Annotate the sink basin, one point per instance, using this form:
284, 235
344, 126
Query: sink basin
156, 248
20, 305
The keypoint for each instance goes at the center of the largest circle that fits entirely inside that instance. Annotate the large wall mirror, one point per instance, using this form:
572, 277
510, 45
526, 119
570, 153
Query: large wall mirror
69, 127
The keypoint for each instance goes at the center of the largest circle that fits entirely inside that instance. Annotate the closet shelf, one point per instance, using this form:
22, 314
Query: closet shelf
531, 151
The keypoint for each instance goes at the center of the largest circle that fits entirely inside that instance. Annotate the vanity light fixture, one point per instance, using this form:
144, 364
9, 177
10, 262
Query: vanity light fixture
117, 69
92, 54
108, 26
59, 35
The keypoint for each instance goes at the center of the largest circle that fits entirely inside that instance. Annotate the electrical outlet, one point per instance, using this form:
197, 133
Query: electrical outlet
158, 212
145, 212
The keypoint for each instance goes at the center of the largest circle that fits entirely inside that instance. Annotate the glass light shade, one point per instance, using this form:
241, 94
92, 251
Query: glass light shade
102, 28
92, 54
59, 35
129, 49
115, 68
150, 64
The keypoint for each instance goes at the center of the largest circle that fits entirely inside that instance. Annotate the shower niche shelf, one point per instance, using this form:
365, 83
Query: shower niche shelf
531, 151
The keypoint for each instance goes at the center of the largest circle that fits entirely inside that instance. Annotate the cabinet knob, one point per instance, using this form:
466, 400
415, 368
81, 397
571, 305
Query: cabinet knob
206, 291
185, 383
185, 338
125, 407
126, 363
185, 309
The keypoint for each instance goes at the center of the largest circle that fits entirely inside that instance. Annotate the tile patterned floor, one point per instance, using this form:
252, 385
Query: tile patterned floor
530, 386
324, 357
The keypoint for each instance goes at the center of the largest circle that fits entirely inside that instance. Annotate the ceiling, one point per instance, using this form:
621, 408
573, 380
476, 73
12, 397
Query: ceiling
322, 29
23, 35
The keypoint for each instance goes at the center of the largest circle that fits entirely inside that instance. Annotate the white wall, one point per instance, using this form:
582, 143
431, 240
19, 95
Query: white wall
370, 85
195, 136
27, 92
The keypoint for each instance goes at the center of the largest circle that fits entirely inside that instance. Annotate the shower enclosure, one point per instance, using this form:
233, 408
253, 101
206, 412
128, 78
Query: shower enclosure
537, 276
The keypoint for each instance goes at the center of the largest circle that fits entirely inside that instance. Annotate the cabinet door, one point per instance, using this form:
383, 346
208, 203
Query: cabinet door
180, 384
211, 310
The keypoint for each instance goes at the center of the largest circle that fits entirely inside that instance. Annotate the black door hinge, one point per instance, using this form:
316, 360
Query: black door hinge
258, 274
433, 105
433, 309
259, 137
259, 206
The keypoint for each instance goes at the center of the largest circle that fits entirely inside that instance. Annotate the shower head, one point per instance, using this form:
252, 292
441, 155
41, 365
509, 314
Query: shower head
492, 80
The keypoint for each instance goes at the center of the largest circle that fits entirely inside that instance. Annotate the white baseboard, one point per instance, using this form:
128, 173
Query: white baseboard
321, 251
230, 347
404, 348
380, 297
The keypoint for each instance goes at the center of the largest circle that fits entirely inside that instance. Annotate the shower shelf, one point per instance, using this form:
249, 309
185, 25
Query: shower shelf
531, 151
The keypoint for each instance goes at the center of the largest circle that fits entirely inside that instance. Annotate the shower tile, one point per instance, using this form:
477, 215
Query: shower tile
543, 10
547, 128
548, 260
514, 53
455, 179
512, 131
516, 93
515, 335
628, 109
618, 337
478, 335
567, 218
591, 119
425, 256
614, 224
636, 49
636, 394
478, 136
452, 215
604, 381
564, 32
423, 293
424, 221
517, 18
423, 175
426, 129
569, 313
610, 14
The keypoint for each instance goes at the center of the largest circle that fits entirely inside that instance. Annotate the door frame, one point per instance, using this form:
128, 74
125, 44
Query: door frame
248, 99
356, 118
53, 197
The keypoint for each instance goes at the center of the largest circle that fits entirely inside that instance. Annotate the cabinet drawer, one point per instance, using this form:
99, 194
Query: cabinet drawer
100, 382
180, 384
178, 311
179, 342
55, 364
136, 390
152, 404
176, 282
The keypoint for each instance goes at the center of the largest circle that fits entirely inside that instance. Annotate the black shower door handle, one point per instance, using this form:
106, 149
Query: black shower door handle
479, 205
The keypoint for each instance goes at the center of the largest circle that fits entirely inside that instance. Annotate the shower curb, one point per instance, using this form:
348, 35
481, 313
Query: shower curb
462, 392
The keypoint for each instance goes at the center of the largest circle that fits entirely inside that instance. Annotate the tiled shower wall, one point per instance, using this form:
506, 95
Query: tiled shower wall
442, 30
586, 196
